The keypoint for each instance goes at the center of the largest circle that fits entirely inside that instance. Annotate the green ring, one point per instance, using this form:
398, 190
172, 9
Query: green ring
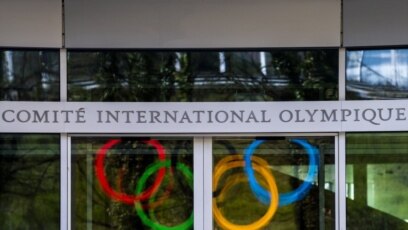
139, 188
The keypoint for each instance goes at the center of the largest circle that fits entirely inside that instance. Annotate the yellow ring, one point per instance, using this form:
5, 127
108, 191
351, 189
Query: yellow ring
261, 167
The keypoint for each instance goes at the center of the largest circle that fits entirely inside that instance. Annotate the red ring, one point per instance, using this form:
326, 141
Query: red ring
123, 197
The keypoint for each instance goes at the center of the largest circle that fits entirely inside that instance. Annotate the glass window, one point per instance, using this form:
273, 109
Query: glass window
132, 183
377, 180
165, 76
29, 181
377, 74
274, 183
29, 75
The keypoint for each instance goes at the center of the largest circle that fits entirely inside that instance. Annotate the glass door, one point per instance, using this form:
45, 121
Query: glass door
212, 182
279, 182
132, 183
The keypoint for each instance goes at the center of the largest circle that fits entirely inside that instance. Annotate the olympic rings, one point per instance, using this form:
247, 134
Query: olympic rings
123, 197
260, 166
266, 194
159, 201
287, 198
140, 185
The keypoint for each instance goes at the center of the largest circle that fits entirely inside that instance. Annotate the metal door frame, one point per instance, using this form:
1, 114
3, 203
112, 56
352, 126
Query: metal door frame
203, 218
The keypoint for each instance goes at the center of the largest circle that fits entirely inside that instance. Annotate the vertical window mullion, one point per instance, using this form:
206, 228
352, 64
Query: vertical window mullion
208, 167
63, 75
341, 182
64, 191
341, 151
198, 183
342, 74
65, 151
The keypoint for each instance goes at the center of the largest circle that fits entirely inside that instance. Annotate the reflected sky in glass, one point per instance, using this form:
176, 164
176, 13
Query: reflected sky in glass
377, 74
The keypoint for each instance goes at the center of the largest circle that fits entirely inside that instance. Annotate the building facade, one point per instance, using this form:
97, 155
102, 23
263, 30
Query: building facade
204, 114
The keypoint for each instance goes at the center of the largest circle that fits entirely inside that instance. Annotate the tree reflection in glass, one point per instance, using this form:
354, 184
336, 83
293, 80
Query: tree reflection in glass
132, 183
29, 181
270, 75
29, 75
305, 187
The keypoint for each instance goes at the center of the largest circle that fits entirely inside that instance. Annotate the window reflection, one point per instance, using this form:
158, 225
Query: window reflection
377, 180
377, 74
303, 179
132, 183
202, 75
30, 75
29, 181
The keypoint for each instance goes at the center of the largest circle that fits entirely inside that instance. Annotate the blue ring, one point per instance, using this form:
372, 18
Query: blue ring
286, 198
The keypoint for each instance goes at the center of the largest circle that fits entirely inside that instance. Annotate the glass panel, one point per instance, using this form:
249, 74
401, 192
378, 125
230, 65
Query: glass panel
274, 183
29, 181
377, 74
270, 75
29, 75
132, 183
377, 179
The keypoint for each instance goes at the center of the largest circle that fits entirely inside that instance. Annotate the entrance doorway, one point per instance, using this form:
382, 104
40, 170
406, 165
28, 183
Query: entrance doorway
206, 182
